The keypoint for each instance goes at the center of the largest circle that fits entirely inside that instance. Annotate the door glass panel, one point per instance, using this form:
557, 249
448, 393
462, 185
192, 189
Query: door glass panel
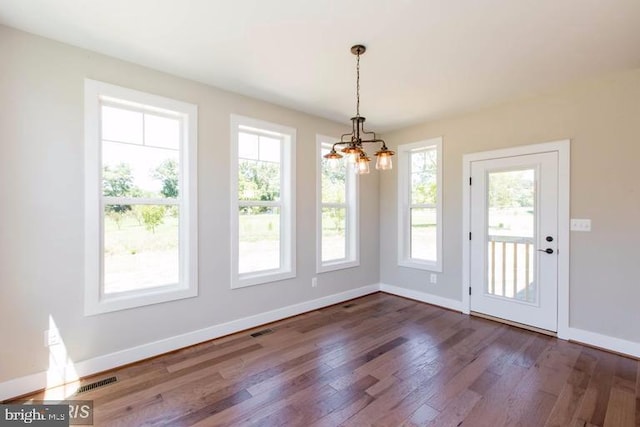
511, 235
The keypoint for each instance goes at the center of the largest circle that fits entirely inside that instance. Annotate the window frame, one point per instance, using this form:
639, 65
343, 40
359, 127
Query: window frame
405, 205
286, 203
96, 94
351, 205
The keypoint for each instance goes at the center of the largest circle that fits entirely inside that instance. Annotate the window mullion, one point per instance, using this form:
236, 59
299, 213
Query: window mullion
107, 200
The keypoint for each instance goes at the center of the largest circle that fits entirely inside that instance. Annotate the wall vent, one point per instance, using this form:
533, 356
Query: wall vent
262, 332
97, 384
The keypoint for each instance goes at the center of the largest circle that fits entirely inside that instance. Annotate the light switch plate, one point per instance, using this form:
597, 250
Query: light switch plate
580, 224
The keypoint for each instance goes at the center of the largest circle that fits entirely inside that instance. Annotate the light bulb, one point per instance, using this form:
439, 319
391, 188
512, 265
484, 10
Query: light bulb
362, 167
384, 162
333, 163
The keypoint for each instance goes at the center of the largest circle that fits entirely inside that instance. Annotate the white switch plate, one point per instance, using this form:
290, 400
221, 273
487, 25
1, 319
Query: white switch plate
314, 282
433, 278
51, 338
580, 224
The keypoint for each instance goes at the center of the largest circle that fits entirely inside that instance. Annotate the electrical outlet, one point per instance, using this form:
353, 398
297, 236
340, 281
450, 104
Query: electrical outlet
433, 278
314, 282
51, 338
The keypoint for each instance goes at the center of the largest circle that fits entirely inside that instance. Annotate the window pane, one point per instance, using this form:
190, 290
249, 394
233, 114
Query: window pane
334, 182
248, 146
512, 203
118, 124
139, 171
511, 228
258, 180
334, 238
424, 185
259, 239
269, 149
141, 248
163, 132
423, 234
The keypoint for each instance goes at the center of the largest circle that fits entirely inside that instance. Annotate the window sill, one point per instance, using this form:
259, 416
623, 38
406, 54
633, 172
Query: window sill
421, 265
260, 278
336, 265
123, 301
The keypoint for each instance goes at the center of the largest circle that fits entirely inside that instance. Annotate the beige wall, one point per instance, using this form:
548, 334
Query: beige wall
41, 191
41, 220
602, 120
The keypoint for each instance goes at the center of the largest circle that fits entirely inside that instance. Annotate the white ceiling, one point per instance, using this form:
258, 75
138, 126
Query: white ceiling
425, 58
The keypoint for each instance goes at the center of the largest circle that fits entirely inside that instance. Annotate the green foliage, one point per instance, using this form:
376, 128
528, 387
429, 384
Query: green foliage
424, 167
333, 220
512, 189
116, 216
333, 184
258, 181
167, 173
117, 181
425, 193
152, 215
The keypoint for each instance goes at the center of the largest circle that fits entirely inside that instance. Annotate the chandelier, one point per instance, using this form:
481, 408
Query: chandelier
355, 140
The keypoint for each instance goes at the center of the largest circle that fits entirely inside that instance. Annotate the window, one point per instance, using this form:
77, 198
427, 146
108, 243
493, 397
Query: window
140, 198
337, 234
263, 205
420, 205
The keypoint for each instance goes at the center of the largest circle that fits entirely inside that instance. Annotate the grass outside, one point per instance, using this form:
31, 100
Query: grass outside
136, 258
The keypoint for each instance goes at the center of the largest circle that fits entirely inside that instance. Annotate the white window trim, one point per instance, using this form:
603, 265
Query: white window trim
95, 301
287, 268
404, 221
352, 233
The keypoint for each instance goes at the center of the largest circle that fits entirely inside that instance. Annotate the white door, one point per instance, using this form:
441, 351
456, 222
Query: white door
514, 234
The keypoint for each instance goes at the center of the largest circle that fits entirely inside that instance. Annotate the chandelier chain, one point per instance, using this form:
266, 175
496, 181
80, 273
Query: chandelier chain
358, 85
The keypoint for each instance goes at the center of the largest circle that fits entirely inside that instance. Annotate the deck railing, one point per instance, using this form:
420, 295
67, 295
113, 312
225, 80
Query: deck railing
511, 267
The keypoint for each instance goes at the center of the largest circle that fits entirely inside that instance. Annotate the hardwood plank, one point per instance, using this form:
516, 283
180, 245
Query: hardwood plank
596, 398
456, 411
621, 408
491, 410
571, 395
638, 395
378, 360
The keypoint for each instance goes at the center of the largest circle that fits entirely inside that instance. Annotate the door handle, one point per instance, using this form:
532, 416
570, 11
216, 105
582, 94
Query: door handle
548, 250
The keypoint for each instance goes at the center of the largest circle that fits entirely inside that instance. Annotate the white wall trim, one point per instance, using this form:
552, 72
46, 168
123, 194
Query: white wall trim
38, 381
451, 304
604, 342
404, 205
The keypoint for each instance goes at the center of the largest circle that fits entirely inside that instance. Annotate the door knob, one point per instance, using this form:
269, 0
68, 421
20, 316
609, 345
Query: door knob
549, 239
548, 250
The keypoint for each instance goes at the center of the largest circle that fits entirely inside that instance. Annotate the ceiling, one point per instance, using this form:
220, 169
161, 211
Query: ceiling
425, 59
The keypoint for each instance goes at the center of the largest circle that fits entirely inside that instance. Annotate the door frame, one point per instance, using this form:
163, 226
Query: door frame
563, 148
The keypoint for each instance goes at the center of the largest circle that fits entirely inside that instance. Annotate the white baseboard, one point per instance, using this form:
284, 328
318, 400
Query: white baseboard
605, 342
451, 304
38, 381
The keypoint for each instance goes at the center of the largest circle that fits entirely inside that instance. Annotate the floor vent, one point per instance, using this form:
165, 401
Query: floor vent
261, 333
349, 305
97, 384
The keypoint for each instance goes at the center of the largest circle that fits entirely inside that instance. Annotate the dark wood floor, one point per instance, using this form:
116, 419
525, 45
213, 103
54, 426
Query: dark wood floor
378, 360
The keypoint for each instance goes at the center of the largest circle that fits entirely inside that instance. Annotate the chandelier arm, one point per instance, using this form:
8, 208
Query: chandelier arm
342, 141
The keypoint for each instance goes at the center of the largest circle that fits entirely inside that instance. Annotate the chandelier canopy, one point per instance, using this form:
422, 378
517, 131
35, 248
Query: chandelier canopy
355, 140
